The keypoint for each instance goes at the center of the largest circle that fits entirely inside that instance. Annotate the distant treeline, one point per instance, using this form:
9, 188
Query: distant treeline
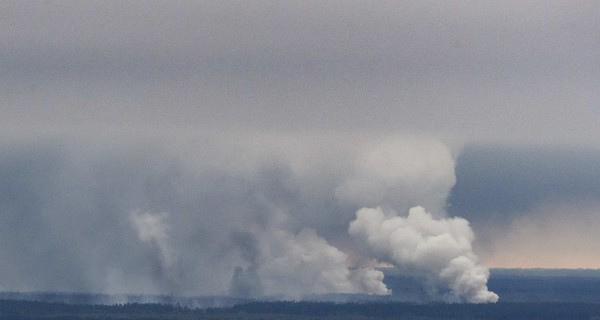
21, 310
113, 299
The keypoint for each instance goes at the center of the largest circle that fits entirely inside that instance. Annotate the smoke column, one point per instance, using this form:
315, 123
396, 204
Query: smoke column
399, 175
438, 250
152, 230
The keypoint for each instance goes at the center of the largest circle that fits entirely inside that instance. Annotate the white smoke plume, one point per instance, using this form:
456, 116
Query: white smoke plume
152, 228
437, 249
305, 263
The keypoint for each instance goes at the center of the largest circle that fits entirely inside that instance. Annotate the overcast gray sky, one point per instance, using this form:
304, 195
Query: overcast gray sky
511, 71
207, 122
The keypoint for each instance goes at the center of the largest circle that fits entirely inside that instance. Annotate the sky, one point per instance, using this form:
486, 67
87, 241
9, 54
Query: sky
178, 138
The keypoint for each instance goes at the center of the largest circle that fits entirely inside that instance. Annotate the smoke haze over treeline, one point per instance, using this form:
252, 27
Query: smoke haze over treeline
262, 148
150, 219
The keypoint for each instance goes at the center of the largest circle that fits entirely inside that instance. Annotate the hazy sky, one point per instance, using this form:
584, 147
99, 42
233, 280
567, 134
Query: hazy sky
199, 119
514, 71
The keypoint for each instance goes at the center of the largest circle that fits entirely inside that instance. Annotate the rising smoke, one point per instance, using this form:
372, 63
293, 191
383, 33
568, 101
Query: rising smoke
216, 217
439, 250
291, 262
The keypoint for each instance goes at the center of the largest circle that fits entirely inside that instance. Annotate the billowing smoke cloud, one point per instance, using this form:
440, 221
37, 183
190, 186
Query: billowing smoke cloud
214, 216
279, 262
400, 175
437, 249
293, 262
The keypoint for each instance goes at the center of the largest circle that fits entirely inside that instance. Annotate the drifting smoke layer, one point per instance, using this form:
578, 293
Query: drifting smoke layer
279, 263
151, 228
440, 250
400, 174
214, 216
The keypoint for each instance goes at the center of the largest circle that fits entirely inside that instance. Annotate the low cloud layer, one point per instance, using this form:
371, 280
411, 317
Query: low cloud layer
514, 71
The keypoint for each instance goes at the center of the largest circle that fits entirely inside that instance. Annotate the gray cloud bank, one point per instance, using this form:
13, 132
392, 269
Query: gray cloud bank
510, 71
